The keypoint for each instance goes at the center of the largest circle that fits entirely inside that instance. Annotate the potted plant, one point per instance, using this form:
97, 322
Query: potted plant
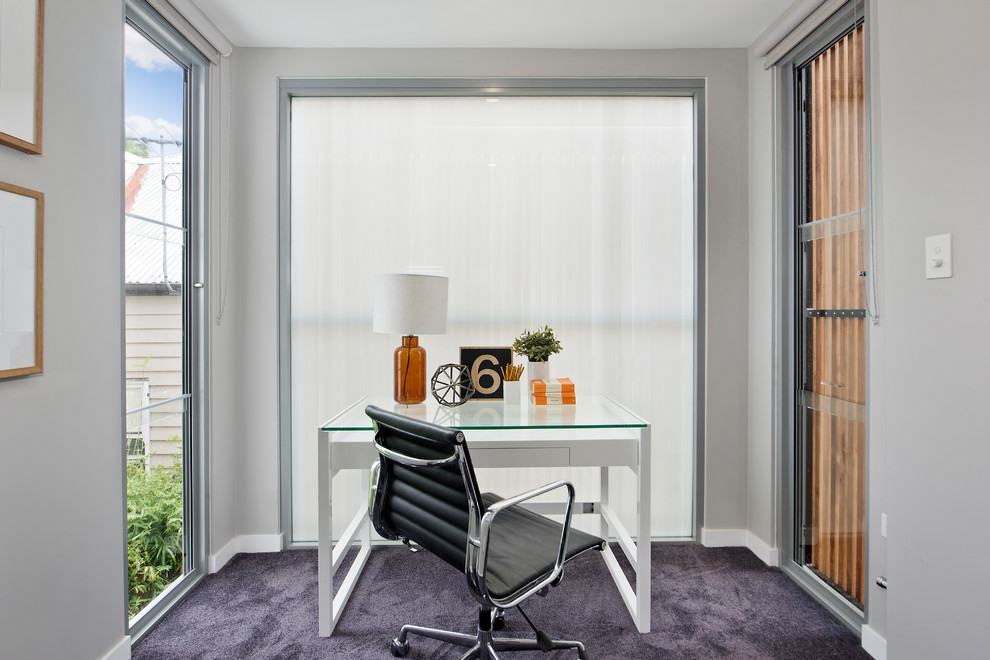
538, 346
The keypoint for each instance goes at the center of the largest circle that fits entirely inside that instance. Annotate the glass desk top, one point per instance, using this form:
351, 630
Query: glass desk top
590, 412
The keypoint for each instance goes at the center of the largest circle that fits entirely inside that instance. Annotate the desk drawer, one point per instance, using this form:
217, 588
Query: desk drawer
521, 457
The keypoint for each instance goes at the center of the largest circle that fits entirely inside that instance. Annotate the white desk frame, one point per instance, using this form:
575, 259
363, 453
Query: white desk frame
343, 448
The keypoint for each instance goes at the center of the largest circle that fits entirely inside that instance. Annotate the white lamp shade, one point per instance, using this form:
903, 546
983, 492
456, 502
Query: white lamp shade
411, 304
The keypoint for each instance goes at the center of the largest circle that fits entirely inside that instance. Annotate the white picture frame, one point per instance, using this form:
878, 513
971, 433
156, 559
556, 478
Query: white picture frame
21, 59
21, 251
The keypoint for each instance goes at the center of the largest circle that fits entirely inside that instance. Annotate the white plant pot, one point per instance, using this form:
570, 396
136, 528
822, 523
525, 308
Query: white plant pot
539, 370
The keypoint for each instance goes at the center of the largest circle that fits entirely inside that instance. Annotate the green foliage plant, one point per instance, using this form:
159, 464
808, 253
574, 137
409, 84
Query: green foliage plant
538, 346
154, 530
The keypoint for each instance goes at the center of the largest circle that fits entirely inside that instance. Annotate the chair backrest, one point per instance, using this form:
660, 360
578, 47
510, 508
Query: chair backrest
425, 489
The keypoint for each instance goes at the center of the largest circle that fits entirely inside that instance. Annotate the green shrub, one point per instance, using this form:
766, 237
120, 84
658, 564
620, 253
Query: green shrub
154, 530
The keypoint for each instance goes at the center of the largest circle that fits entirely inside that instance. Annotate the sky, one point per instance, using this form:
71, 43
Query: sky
152, 92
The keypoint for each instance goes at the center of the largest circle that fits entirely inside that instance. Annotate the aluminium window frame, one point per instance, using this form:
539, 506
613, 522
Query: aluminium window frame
483, 87
788, 195
147, 21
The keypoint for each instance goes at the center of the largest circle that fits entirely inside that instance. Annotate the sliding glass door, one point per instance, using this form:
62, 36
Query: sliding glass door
164, 309
827, 452
831, 371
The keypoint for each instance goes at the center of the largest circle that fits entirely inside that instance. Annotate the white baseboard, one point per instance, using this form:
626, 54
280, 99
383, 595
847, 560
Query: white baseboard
221, 557
121, 650
769, 556
249, 543
874, 644
723, 538
740, 538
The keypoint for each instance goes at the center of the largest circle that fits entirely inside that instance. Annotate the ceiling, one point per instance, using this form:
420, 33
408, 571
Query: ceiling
493, 23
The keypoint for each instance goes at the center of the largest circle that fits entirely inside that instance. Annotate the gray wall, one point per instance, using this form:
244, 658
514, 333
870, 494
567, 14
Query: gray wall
62, 592
876, 436
225, 333
761, 473
255, 207
933, 103
61, 474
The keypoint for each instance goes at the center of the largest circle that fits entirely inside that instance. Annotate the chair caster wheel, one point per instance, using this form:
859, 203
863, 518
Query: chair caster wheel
498, 621
399, 649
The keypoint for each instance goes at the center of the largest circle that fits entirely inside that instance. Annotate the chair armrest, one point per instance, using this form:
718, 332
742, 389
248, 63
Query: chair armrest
412, 461
485, 533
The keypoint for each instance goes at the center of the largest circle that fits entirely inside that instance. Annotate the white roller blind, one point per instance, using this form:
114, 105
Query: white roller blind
572, 212
791, 29
185, 17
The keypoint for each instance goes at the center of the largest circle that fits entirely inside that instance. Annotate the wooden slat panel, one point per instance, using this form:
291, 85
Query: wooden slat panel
837, 360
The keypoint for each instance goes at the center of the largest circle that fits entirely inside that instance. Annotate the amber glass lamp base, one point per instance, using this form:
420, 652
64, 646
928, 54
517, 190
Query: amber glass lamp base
410, 372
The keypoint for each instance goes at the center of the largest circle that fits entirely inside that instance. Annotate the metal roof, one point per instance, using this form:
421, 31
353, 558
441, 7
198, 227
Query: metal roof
153, 200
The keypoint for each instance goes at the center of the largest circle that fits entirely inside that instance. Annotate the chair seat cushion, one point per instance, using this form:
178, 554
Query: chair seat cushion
523, 548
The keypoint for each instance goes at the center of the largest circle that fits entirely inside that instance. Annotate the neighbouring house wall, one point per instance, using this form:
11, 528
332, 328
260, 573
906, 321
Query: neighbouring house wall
153, 351
933, 102
254, 290
62, 571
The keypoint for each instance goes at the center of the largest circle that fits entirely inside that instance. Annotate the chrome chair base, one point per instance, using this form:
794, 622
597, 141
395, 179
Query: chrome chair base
482, 646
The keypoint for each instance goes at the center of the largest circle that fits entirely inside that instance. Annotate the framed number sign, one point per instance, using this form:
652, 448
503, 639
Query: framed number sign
485, 366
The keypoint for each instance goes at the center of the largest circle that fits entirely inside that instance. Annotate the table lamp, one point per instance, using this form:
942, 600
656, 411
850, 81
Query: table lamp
410, 305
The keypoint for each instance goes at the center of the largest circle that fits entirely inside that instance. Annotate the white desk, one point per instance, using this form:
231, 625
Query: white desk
597, 432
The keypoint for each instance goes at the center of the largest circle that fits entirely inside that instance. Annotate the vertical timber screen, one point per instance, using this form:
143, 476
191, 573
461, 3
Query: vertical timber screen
832, 355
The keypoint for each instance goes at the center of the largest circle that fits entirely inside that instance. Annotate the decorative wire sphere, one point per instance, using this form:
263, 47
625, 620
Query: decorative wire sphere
451, 384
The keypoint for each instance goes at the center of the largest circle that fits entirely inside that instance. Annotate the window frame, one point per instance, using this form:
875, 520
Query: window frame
788, 196
289, 88
141, 16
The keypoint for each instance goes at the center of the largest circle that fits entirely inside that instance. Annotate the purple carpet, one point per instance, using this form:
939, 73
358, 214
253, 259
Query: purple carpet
706, 603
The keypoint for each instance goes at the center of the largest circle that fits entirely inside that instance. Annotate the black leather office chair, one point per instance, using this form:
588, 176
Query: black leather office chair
424, 491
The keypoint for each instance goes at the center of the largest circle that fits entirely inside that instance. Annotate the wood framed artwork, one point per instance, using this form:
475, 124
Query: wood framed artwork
485, 366
21, 248
21, 58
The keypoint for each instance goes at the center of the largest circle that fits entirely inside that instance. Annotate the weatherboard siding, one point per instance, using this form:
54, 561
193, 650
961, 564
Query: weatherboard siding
153, 350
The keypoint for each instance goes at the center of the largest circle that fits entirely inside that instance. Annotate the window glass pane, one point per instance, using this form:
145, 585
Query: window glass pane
573, 212
154, 257
155, 494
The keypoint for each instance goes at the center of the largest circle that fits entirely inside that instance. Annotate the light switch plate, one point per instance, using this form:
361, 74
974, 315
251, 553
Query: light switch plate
938, 256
